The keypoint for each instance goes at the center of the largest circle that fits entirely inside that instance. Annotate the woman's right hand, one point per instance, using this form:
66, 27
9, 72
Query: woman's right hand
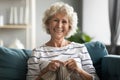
54, 65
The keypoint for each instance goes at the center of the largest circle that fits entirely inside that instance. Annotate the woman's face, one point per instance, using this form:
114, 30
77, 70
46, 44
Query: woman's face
59, 26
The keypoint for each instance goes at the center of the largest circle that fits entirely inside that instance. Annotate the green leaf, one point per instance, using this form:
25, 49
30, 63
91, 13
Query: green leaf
80, 37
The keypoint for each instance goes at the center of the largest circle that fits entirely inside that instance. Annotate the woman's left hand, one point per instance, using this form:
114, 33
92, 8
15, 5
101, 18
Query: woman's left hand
71, 64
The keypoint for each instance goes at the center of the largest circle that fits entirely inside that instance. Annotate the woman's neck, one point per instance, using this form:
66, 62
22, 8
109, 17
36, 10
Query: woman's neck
57, 43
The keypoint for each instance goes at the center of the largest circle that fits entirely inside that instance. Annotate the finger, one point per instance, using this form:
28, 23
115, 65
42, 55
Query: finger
70, 65
54, 68
57, 64
54, 65
67, 62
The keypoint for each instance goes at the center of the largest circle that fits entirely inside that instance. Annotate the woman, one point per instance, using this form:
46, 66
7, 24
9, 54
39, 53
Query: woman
60, 21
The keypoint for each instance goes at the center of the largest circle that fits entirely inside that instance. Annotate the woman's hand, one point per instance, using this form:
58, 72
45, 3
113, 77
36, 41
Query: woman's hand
71, 64
54, 65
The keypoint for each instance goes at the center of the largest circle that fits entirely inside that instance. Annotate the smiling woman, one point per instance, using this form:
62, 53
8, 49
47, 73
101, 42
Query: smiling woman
58, 26
60, 21
52, 12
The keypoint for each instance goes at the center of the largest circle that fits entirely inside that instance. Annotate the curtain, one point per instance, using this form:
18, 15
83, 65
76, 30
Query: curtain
114, 18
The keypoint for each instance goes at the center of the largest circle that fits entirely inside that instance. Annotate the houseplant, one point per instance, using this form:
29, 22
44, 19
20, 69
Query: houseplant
80, 37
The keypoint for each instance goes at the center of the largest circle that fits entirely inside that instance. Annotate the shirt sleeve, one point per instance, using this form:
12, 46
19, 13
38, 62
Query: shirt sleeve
33, 66
87, 63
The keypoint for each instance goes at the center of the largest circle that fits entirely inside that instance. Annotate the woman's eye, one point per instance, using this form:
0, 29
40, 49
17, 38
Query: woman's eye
55, 20
64, 21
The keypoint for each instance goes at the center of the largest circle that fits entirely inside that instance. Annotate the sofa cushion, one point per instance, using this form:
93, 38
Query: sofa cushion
13, 63
97, 51
111, 67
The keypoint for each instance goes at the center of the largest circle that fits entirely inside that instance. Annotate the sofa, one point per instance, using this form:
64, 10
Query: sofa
13, 62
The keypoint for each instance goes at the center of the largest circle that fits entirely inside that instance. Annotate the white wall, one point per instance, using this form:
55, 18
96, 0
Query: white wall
96, 20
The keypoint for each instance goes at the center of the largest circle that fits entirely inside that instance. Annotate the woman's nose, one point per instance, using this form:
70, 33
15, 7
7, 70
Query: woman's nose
59, 24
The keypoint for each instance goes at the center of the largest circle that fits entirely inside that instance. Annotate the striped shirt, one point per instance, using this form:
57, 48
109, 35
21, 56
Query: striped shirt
42, 55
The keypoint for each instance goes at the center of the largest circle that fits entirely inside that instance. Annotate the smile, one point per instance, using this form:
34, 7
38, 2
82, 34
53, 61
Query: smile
58, 30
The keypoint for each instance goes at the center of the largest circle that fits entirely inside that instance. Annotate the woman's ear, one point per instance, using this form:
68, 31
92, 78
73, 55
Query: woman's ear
47, 26
47, 23
70, 28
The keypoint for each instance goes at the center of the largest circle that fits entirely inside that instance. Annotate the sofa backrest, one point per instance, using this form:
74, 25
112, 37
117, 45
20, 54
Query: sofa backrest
97, 51
13, 63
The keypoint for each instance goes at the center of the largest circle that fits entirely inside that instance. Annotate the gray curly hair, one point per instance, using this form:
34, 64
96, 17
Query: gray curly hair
61, 7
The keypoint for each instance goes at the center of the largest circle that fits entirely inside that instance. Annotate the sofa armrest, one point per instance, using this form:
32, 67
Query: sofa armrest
111, 67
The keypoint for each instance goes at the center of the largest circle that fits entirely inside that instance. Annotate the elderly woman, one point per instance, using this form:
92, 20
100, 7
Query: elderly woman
60, 21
